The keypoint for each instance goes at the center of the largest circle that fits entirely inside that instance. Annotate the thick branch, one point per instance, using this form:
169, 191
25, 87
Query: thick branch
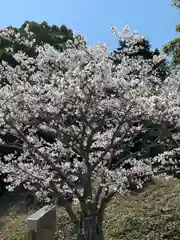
112, 144
103, 204
94, 131
71, 214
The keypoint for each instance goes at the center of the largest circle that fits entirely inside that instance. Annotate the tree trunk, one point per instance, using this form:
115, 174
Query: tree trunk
90, 226
91, 229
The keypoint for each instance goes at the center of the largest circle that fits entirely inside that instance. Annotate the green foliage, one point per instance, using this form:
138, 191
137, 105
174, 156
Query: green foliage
42, 33
141, 48
173, 47
176, 3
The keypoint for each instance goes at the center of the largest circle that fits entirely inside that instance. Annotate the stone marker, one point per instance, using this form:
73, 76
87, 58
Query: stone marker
42, 224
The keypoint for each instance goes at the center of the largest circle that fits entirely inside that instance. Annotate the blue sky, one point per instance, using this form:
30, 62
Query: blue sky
154, 19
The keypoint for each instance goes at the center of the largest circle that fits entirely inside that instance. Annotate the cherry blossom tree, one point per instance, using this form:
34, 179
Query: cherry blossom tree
91, 108
135, 50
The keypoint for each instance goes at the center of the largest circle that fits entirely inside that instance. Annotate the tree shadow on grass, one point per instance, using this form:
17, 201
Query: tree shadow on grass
15, 203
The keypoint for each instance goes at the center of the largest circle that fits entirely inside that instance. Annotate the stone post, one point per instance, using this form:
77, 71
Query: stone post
42, 224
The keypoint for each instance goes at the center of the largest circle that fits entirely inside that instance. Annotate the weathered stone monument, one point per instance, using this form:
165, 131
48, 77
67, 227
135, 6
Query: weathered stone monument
42, 224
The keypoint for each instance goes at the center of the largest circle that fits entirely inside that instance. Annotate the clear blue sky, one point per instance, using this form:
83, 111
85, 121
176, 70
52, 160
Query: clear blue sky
154, 19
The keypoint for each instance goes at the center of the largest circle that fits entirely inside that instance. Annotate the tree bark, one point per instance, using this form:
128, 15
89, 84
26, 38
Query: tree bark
90, 227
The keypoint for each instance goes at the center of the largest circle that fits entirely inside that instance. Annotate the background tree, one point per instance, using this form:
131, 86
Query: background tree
41, 33
134, 47
173, 47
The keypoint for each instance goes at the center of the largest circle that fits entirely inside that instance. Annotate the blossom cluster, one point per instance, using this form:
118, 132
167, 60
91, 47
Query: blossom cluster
10, 35
90, 106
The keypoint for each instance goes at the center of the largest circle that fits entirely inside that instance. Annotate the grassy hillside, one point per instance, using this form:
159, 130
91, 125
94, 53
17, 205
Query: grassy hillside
152, 214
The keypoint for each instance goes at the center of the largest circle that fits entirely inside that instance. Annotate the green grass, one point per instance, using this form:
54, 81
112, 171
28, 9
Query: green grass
152, 214
149, 215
